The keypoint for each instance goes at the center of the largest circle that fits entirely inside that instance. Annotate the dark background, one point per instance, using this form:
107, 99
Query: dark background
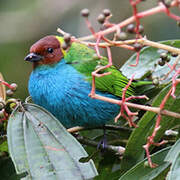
23, 22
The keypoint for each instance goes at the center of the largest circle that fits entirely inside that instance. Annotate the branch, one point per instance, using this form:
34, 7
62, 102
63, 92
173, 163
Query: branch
119, 150
138, 106
108, 127
124, 44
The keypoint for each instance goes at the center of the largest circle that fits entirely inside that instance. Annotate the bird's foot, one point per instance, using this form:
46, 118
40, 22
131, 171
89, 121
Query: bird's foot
102, 145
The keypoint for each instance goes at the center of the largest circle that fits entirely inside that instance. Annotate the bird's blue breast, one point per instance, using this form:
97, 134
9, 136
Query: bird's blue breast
64, 92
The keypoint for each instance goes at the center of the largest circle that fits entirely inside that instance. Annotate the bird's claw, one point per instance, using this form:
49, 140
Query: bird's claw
102, 145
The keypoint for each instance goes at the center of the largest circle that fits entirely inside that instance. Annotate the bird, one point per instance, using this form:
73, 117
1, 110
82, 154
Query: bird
61, 81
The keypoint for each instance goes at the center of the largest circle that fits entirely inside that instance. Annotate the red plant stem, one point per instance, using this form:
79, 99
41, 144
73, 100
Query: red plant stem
135, 12
175, 82
125, 89
96, 47
125, 108
135, 2
142, 41
137, 97
150, 139
90, 27
109, 57
137, 59
5, 83
95, 73
107, 44
137, 106
171, 15
161, 107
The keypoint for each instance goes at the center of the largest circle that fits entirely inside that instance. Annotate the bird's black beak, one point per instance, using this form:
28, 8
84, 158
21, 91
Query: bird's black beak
33, 57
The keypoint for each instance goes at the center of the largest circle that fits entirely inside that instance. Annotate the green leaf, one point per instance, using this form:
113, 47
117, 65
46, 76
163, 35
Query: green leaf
174, 172
4, 146
142, 172
134, 149
7, 170
174, 152
148, 59
173, 157
106, 166
40, 145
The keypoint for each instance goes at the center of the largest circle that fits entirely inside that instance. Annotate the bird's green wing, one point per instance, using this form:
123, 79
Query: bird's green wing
84, 60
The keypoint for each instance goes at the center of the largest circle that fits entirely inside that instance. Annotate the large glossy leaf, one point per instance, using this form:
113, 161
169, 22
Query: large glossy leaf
174, 172
148, 59
2, 89
174, 152
142, 172
134, 148
41, 146
173, 157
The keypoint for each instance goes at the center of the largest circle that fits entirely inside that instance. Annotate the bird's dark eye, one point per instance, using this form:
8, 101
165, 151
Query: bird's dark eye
50, 50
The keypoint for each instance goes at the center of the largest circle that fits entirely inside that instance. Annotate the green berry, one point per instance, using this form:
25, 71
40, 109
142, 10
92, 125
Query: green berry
9, 93
101, 18
122, 36
106, 12
130, 28
67, 38
156, 81
85, 12
13, 86
161, 62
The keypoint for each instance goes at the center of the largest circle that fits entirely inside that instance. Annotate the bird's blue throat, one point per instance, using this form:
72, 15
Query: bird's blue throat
64, 92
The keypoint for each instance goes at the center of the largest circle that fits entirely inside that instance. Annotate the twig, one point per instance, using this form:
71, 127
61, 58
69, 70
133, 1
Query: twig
124, 107
142, 41
124, 44
150, 139
108, 127
6, 84
119, 150
161, 46
138, 106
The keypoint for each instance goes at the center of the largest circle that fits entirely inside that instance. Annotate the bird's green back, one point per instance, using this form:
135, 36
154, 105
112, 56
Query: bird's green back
84, 60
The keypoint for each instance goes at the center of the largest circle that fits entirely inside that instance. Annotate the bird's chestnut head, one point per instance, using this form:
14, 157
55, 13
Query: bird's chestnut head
46, 51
